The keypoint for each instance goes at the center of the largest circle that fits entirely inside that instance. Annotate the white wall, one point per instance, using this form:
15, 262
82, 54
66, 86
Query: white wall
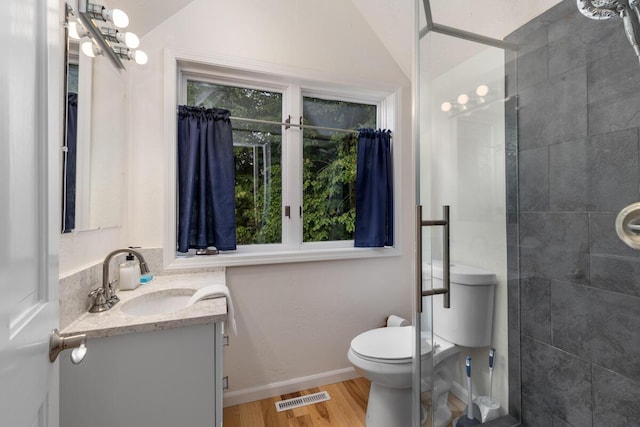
80, 250
297, 320
294, 320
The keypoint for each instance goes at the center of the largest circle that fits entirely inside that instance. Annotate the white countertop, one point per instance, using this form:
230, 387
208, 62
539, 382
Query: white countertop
116, 322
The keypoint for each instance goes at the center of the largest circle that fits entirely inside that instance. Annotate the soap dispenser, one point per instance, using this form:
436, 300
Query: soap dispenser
129, 274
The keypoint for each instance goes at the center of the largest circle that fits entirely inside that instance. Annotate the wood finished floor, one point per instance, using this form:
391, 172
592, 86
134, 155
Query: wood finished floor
346, 408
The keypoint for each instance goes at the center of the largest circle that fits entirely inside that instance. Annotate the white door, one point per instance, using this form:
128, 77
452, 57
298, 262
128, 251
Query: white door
29, 140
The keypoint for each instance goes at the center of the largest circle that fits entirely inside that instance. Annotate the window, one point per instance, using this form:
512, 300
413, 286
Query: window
295, 185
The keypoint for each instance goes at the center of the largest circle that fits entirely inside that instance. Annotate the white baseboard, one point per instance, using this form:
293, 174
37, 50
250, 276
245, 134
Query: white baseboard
459, 391
251, 394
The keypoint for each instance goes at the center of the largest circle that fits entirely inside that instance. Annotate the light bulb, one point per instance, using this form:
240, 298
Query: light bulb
463, 99
445, 106
90, 49
482, 90
117, 16
131, 40
73, 30
140, 57
120, 19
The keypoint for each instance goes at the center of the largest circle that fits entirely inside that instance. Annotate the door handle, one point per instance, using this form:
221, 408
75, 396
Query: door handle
446, 272
58, 343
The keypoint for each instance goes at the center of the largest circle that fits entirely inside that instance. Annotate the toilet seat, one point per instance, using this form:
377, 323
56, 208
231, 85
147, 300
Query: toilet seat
387, 345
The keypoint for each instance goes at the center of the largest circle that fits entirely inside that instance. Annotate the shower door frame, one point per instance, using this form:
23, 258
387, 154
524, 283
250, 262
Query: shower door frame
510, 49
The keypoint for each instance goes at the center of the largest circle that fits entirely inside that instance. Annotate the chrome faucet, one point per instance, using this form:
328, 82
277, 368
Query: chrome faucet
104, 298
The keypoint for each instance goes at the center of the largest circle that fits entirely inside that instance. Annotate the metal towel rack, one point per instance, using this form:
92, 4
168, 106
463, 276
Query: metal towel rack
445, 223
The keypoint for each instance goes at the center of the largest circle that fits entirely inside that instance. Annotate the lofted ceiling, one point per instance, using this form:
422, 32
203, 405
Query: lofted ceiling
144, 15
491, 18
391, 20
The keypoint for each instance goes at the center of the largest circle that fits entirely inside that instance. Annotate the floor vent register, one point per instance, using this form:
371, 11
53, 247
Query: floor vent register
296, 402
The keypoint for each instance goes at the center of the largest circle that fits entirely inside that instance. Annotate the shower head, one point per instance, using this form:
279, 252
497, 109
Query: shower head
628, 10
598, 9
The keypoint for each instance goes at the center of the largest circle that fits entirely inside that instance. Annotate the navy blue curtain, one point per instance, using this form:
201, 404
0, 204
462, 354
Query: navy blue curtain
69, 216
206, 180
374, 189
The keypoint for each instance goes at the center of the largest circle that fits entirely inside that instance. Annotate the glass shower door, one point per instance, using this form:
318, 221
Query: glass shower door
461, 165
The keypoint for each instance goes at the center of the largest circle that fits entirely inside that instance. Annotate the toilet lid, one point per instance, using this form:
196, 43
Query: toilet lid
391, 344
460, 273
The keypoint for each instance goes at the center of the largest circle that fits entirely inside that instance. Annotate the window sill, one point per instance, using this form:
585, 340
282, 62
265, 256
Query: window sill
240, 258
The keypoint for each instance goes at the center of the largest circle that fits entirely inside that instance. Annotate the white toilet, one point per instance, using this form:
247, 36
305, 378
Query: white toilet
384, 355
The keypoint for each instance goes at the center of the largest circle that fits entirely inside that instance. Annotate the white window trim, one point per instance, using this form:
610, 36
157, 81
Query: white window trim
271, 75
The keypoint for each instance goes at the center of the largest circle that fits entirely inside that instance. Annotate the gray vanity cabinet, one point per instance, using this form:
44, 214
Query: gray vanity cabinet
161, 378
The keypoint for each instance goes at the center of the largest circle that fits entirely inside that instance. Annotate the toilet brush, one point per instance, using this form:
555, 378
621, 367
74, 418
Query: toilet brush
468, 420
486, 408
492, 354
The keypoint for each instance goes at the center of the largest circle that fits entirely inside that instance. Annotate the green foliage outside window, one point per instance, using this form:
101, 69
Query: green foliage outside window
329, 168
329, 189
72, 78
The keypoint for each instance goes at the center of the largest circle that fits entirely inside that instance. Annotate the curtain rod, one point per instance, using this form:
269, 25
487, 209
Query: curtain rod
287, 124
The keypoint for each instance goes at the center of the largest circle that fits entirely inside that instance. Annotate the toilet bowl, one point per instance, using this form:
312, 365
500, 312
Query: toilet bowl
384, 357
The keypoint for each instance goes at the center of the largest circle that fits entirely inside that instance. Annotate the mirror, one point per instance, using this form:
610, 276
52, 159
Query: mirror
95, 135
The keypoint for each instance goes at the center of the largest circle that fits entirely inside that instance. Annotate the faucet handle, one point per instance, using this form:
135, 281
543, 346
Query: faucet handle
113, 298
96, 293
98, 301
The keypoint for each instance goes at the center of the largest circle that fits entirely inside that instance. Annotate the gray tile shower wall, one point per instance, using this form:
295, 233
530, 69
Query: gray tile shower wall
577, 83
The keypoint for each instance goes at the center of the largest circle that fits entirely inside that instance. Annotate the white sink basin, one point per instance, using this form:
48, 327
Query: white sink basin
159, 302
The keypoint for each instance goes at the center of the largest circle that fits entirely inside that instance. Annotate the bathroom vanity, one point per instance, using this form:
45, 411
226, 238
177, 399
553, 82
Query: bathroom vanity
148, 369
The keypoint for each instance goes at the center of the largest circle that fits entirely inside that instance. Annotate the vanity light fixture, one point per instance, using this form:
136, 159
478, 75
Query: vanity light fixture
469, 100
103, 25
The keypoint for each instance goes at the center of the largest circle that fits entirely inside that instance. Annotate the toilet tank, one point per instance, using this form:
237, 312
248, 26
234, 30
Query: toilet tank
469, 321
